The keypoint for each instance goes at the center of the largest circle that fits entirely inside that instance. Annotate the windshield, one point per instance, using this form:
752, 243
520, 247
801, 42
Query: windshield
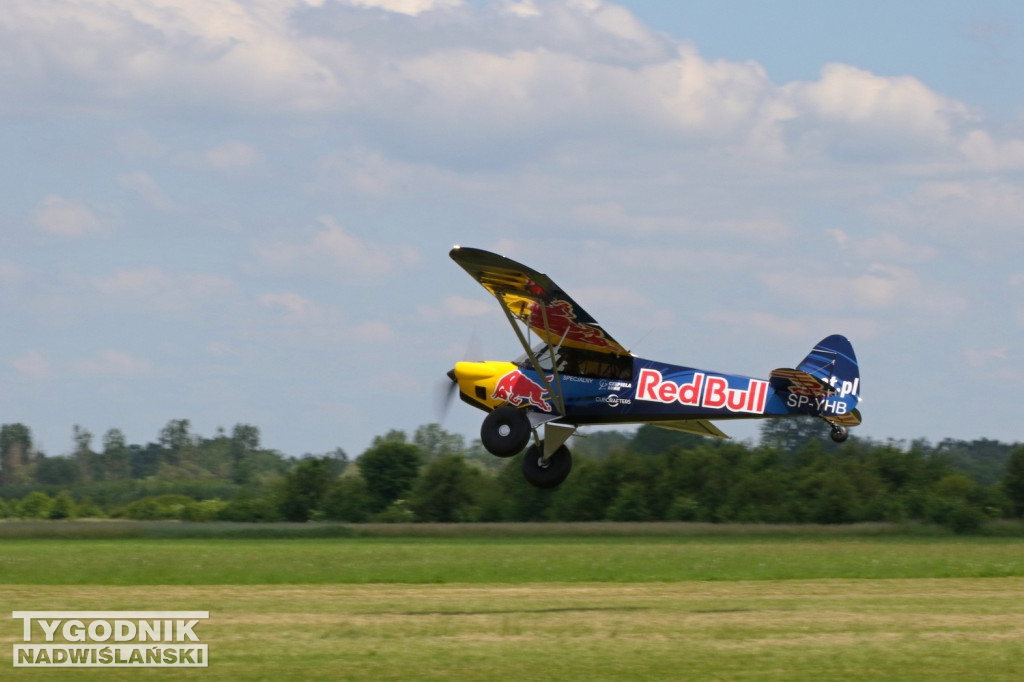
584, 363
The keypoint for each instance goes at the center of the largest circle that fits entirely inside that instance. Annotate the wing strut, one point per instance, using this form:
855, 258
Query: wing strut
542, 375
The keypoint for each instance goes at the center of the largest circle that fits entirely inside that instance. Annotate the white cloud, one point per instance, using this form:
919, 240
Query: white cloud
468, 83
983, 357
885, 246
154, 289
960, 209
859, 99
299, 308
58, 216
409, 7
116, 363
614, 216
143, 184
459, 306
231, 155
373, 332
32, 364
332, 249
985, 153
880, 287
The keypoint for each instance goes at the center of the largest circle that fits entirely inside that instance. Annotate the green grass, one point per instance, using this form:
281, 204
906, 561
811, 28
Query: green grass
500, 560
748, 605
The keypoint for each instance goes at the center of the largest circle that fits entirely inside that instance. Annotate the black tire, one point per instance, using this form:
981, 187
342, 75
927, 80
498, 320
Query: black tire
839, 433
505, 431
548, 474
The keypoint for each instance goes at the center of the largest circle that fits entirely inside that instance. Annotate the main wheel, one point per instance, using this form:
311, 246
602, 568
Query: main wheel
839, 433
547, 474
505, 431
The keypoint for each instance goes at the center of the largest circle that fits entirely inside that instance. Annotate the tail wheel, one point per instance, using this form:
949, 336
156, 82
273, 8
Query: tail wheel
839, 433
505, 431
549, 473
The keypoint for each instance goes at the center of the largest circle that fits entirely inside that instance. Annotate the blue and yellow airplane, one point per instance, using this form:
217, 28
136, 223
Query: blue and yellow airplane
575, 374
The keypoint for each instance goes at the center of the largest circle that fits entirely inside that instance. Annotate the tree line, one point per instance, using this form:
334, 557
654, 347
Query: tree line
794, 474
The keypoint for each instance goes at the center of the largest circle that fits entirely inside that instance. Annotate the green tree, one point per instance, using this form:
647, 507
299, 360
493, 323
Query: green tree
35, 505
655, 440
305, 488
435, 442
250, 506
1013, 481
63, 506
176, 440
245, 440
790, 435
444, 491
15, 448
347, 500
389, 468
57, 471
117, 460
89, 463
630, 504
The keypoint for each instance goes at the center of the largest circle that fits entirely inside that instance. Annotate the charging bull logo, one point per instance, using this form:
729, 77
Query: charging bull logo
560, 318
515, 388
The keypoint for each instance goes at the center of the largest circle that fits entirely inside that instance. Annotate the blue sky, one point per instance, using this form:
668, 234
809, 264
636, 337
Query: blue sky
240, 212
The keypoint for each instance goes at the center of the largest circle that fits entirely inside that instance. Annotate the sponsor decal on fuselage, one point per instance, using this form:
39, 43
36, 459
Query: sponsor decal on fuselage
703, 390
613, 385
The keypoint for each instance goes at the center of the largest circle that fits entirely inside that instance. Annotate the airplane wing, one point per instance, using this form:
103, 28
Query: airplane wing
533, 298
700, 427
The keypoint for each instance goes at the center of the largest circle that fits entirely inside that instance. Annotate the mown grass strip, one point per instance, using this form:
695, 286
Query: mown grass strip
962, 629
120, 528
500, 560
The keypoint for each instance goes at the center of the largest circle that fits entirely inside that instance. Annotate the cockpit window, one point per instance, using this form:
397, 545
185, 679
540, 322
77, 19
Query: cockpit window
584, 363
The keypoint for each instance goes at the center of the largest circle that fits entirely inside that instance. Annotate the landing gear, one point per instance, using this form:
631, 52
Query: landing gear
505, 431
546, 473
839, 433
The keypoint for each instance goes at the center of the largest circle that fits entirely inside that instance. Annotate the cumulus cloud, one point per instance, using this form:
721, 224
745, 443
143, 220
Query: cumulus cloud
155, 289
488, 83
58, 216
955, 209
880, 287
142, 184
115, 363
32, 364
410, 7
298, 307
333, 250
231, 155
459, 306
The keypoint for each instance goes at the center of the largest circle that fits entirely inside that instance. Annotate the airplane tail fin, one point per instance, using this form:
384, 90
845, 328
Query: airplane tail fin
832, 360
826, 382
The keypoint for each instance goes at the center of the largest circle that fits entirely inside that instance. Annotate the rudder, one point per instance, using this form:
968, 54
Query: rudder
833, 361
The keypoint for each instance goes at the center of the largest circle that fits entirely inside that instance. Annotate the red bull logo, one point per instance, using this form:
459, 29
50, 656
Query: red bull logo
561, 320
516, 388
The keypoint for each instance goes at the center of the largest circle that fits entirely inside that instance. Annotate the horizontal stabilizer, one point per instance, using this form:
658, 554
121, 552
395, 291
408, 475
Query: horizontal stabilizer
800, 383
700, 427
850, 419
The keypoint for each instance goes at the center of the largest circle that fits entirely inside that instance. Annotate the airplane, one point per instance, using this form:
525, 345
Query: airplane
575, 374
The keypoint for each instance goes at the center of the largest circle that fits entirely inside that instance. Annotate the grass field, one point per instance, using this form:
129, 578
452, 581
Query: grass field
775, 606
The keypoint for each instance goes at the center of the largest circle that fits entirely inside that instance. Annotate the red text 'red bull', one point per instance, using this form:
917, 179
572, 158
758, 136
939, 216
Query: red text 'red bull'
712, 392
